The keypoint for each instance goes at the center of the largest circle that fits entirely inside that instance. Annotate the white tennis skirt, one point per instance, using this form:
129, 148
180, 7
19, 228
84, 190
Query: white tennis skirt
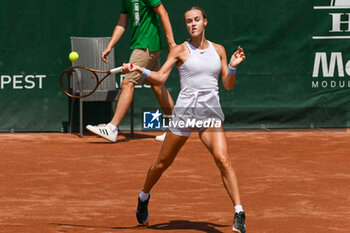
196, 110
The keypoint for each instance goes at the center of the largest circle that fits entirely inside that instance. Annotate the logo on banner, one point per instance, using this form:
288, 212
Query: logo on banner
14, 82
151, 120
333, 64
339, 15
327, 66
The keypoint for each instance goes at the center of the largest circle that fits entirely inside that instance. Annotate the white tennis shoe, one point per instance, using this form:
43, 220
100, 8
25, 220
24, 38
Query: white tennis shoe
104, 131
160, 138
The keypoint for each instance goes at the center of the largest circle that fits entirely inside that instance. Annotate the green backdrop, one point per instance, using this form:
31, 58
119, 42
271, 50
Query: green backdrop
296, 75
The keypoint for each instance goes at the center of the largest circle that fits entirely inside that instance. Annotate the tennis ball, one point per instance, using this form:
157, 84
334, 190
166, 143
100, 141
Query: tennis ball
73, 56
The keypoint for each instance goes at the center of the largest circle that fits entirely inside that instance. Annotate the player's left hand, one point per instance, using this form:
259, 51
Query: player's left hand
237, 57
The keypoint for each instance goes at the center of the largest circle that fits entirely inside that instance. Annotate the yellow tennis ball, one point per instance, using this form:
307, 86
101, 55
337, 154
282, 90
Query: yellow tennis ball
73, 56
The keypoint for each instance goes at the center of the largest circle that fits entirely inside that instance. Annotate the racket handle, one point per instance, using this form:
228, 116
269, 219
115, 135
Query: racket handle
118, 69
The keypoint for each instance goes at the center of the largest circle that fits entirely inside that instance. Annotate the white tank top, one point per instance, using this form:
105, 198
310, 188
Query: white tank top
201, 70
199, 94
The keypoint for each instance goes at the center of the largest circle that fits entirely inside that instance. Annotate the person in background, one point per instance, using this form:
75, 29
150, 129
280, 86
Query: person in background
146, 46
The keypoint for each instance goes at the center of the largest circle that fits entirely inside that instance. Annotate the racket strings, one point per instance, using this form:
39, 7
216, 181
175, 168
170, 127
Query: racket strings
77, 82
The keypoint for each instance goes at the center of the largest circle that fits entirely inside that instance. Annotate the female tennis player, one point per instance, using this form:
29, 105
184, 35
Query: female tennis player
198, 108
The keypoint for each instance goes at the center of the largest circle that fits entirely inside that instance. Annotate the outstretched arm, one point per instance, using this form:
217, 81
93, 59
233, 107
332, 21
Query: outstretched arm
162, 75
229, 73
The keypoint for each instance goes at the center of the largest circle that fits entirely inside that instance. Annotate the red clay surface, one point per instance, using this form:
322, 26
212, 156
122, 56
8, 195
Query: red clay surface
289, 182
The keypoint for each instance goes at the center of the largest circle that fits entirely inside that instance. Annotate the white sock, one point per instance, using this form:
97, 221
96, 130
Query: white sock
112, 127
144, 196
238, 208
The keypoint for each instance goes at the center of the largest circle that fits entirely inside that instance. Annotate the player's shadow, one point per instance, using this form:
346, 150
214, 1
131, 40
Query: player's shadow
135, 136
126, 137
66, 225
188, 225
206, 227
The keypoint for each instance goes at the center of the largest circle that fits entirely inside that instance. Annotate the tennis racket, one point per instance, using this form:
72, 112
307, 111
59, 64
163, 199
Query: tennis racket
80, 81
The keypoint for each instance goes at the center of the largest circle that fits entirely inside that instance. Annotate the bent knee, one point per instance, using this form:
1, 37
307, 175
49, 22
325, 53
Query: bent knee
161, 165
224, 163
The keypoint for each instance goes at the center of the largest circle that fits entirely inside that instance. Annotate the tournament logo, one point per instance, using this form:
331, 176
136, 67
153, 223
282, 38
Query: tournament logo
151, 120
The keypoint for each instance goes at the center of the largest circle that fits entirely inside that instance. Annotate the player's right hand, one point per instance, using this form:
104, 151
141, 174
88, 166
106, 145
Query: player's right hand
105, 54
127, 68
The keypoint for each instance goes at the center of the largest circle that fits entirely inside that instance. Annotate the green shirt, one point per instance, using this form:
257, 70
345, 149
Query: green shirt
145, 23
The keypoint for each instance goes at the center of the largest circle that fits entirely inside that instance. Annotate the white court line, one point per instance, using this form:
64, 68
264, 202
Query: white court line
329, 37
331, 7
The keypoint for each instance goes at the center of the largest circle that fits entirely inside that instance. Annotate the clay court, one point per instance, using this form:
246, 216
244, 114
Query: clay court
290, 181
